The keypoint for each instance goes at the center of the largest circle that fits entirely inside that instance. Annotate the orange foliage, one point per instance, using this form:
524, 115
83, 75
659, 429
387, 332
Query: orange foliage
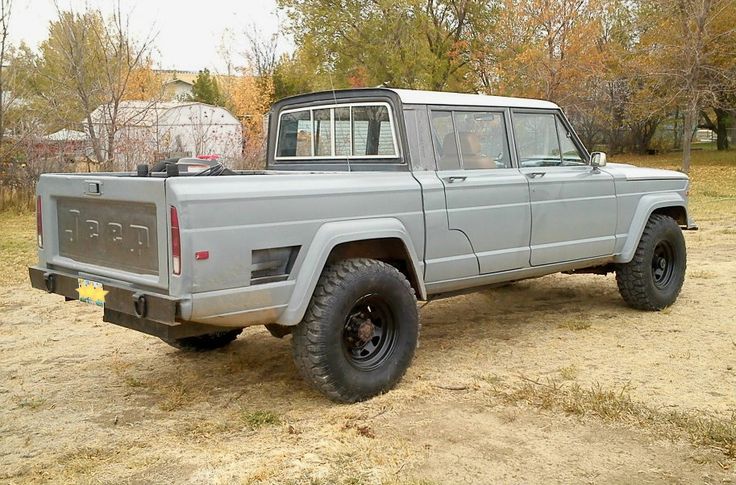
144, 84
249, 99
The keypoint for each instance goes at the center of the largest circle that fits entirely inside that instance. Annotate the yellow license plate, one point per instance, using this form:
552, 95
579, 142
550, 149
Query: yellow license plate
91, 292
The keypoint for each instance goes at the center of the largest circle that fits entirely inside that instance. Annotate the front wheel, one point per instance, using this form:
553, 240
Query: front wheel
652, 280
360, 331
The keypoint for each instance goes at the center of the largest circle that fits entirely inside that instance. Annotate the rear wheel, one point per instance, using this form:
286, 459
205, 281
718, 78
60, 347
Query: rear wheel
360, 331
202, 343
652, 280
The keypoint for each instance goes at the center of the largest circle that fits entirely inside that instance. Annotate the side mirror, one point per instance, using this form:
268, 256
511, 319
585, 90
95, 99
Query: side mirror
598, 159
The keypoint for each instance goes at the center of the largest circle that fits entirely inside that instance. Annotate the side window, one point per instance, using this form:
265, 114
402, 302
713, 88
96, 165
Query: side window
571, 155
536, 140
344, 131
295, 135
483, 142
419, 138
372, 131
322, 132
443, 132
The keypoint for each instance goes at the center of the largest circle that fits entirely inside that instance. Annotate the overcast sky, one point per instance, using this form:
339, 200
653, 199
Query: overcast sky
188, 33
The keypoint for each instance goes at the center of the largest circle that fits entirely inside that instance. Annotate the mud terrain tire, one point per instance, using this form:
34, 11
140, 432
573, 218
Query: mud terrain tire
652, 280
360, 331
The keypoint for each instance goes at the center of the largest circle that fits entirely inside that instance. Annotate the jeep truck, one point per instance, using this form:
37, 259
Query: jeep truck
372, 199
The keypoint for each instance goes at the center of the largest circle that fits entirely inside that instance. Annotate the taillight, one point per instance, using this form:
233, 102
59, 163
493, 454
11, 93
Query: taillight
39, 222
175, 242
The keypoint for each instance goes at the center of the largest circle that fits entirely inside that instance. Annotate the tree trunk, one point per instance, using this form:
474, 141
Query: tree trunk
676, 136
722, 122
688, 126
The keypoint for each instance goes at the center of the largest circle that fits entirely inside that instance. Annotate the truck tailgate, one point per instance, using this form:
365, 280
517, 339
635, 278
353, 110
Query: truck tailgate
106, 225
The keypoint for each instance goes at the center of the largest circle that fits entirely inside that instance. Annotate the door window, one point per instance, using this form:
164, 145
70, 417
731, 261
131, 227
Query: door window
536, 140
542, 140
443, 132
571, 155
483, 142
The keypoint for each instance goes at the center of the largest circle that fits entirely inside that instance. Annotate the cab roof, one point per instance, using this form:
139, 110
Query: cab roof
411, 96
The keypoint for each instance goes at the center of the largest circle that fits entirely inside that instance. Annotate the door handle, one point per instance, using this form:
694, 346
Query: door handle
534, 175
456, 178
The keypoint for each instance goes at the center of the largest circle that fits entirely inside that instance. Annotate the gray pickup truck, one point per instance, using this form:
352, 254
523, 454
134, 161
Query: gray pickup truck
373, 198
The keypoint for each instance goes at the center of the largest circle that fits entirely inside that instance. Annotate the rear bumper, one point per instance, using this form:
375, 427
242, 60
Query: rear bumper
147, 312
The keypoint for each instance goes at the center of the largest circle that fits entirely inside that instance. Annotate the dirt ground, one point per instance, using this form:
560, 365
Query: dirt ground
551, 380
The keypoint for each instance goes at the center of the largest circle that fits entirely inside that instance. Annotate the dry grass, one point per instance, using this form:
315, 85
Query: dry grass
713, 176
17, 245
616, 405
575, 324
570, 372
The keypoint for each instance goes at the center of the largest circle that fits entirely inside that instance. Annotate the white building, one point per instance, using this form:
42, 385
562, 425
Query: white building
148, 131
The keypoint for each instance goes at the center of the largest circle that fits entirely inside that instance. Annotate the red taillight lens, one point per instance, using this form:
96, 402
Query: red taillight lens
175, 242
39, 222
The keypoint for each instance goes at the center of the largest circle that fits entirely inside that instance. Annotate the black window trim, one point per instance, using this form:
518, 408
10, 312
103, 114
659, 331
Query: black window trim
396, 158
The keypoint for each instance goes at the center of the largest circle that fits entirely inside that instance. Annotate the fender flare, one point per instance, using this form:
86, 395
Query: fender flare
329, 236
647, 205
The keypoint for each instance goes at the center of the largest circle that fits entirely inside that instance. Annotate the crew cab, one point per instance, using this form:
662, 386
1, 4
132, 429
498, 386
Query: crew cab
372, 199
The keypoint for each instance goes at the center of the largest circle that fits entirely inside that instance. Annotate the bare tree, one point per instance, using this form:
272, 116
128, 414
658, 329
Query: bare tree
692, 52
91, 59
260, 52
6, 7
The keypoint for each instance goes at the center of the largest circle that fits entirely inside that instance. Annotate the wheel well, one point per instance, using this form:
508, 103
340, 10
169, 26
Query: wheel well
389, 250
676, 212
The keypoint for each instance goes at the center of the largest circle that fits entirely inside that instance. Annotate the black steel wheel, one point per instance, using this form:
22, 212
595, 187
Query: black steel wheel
663, 264
652, 280
360, 331
369, 335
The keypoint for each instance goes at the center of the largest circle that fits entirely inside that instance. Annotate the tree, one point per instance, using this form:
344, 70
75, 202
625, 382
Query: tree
691, 49
400, 43
206, 90
6, 7
144, 83
87, 63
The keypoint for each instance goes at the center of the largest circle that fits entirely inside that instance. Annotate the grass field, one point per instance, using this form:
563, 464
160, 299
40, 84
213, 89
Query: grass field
551, 380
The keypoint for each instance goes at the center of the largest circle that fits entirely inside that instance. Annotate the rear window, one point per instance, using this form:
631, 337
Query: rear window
341, 131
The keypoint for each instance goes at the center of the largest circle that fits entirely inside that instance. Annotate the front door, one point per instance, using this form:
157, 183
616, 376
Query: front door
487, 199
573, 205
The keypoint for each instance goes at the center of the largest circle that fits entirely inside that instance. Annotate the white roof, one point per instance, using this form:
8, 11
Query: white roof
410, 96
158, 113
67, 135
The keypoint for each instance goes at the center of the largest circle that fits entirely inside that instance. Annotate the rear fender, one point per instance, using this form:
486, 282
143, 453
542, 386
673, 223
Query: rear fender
327, 238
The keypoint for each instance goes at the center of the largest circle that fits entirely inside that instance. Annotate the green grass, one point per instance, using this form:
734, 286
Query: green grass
258, 419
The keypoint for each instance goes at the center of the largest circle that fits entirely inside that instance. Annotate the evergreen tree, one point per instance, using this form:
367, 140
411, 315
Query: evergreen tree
206, 90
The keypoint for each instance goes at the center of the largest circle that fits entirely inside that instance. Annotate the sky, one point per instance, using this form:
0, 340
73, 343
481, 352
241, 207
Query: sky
188, 34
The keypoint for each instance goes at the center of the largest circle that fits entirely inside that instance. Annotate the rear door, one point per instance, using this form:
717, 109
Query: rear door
573, 205
487, 198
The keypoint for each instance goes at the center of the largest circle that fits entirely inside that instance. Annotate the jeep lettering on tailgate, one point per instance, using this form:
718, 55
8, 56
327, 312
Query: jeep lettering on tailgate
121, 235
